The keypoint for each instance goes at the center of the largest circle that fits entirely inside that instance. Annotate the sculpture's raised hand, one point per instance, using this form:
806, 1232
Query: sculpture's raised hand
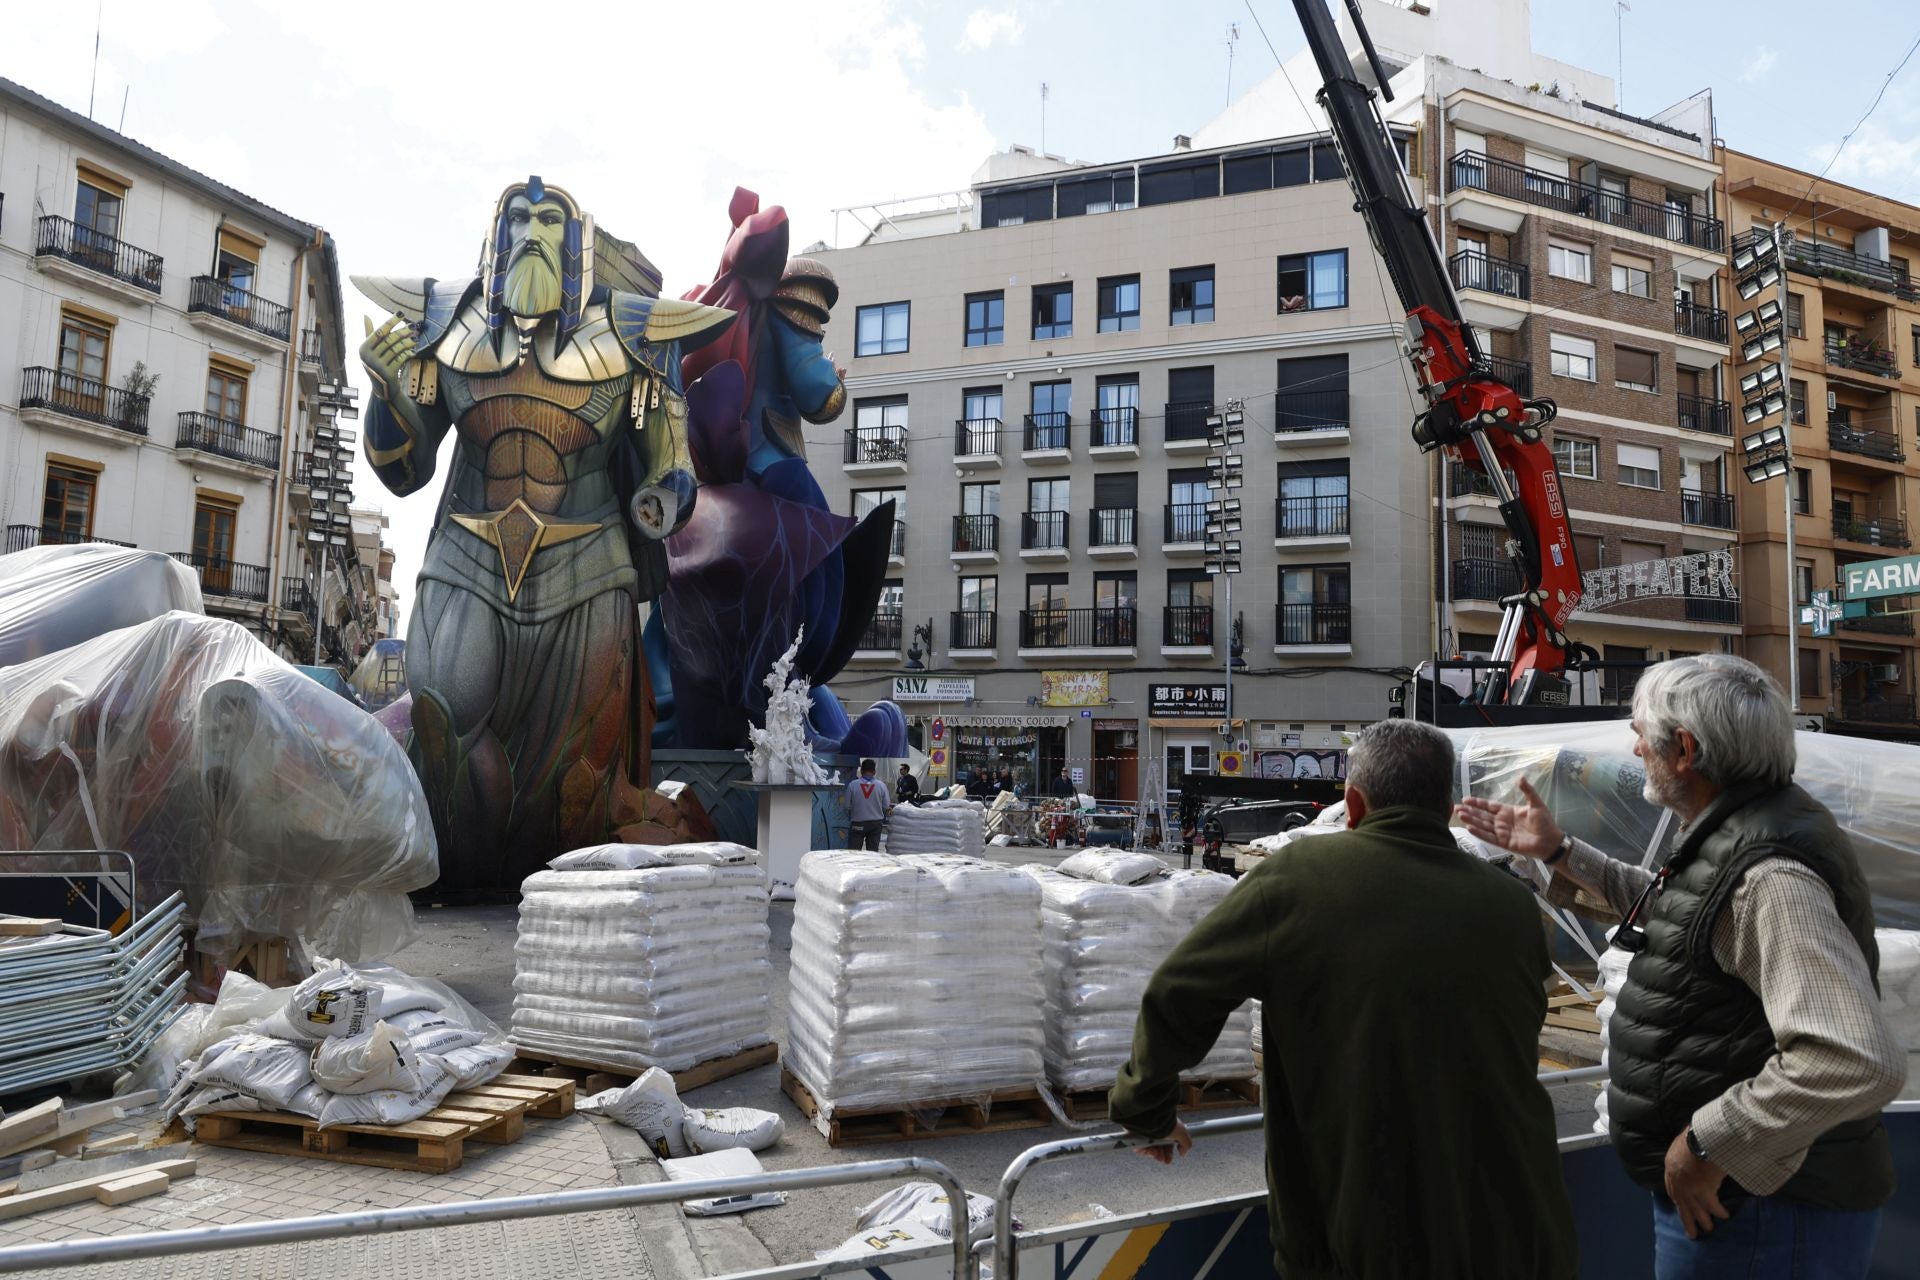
385, 353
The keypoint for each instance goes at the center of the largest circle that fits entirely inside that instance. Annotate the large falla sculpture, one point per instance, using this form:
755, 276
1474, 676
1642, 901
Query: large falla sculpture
572, 497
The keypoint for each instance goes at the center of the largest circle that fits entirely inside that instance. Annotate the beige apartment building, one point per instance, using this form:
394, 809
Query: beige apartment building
1853, 332
1032, 367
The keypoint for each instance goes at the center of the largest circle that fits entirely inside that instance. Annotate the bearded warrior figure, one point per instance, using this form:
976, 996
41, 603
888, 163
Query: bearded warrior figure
558, 369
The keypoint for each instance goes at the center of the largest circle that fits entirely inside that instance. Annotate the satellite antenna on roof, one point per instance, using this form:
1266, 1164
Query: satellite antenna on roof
94, 79
1043, 117
1233, 38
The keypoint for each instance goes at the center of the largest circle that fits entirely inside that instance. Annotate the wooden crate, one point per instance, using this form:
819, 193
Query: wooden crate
493, 1113
593, 1076
1218, 1095
936, 1118
1574, 1013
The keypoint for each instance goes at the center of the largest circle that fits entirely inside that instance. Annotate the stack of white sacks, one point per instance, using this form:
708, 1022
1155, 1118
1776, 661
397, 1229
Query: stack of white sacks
916, 978
350, 1045
1110, 918
644, 955
939, 826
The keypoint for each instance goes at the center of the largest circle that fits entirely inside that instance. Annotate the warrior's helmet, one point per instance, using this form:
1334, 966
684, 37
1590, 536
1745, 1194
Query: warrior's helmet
576, 255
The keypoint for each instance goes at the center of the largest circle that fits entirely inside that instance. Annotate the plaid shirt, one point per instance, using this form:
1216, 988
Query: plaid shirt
1837, 1060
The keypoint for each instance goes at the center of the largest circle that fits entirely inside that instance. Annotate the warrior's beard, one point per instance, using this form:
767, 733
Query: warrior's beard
533, 285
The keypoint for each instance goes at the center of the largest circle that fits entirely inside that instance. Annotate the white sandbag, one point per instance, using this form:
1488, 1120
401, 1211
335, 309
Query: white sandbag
1613, 977
720, 1129
927, 1205
650, 1106
391, 1106
201, 1099
476, 1064
270, 1070
734, 1162
876, 1248
381, 1059
1112, 866
631, 857
333, 1002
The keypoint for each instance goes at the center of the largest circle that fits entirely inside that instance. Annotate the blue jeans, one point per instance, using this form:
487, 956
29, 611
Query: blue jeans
1767, 1238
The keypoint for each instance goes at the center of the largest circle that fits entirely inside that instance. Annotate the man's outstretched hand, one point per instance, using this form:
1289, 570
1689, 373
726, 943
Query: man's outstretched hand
1171, 1148
1527, 829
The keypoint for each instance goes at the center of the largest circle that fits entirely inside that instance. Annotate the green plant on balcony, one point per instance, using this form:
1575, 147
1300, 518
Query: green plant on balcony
140, 381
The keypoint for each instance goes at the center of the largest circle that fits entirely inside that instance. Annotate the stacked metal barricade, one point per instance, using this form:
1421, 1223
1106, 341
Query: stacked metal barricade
83, 1001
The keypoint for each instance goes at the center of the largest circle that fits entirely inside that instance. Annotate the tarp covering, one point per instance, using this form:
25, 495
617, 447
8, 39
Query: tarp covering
1588, 775
54, 597
381, 675
280, 809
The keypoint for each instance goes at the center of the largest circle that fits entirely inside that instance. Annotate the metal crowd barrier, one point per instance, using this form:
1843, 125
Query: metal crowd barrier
245, 1235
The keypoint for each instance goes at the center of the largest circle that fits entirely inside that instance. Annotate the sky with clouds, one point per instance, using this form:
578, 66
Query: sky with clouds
395, 125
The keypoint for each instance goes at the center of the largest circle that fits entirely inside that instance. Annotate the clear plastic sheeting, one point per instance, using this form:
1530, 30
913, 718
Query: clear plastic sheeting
1105, 931
276, 808
654, 965
55, 597
1590, 778
915, 979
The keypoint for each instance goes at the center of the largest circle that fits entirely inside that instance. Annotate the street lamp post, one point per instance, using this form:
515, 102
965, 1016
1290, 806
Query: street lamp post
1759, 264
1226, 431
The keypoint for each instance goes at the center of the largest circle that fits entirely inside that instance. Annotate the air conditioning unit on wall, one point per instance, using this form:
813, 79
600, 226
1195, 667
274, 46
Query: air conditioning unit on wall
1887, 673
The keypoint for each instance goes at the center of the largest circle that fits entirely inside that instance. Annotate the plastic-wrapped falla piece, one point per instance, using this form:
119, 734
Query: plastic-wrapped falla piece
278, 808
54, 597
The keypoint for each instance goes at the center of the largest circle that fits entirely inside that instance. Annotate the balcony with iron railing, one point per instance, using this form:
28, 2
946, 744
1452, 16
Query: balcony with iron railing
72, 396
1895, 710
1842, 266
1706, 415
897, 540
1111, 627
296, 595
1517, 374
1464, 481
976, 535
1696, 320
882, 634
1043, 531
1046, 432
1504, 276
971, 629
1874, 531
1187, 626
1472, 171
212, 296
1187, 419
1880, 624
1295, 411
875, 446
1114, 428
62, 238
1714, 510
1186, 522
1318, 516
20, 537
1724, 613
226, 439
1316, 623
976, 438
1862, 357
313, 347
223, 577
1111, 527
1484, 578
1865, 441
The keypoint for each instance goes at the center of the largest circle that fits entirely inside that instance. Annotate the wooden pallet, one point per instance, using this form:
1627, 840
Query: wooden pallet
493, 1113
1219, 1095
593, 1076
1574, 1013
938, 1118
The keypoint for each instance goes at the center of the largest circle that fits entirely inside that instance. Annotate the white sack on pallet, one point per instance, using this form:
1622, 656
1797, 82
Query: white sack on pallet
940, 826
915, 979
381, 1059
662, 964
272, 1072
1105, 931
279, 809
633, 857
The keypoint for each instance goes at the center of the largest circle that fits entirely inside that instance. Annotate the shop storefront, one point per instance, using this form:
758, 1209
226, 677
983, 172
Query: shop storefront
1028, 749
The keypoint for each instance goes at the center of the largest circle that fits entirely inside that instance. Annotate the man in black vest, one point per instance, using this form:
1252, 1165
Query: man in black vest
1408, 1138
1749, 1056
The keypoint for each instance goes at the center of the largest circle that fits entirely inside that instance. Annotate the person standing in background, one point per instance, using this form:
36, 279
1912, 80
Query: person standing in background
867, 807
906, 789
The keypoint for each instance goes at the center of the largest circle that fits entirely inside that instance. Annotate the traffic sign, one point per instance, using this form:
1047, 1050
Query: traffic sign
939, 729
1230, 763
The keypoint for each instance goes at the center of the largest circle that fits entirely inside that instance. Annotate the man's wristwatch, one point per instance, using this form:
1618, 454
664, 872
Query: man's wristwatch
1562, 850
1693, 1145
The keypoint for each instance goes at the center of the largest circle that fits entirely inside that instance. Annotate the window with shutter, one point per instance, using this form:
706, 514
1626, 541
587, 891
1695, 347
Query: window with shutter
1636, 370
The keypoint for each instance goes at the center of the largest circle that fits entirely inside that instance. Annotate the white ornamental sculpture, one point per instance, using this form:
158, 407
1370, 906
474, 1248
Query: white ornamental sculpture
780, 753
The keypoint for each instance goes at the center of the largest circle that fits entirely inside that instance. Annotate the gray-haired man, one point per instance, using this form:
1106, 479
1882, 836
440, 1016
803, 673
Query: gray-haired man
1750, 1059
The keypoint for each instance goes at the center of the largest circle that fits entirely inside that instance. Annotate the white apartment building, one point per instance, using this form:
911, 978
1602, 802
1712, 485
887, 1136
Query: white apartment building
172, 350
1032, 366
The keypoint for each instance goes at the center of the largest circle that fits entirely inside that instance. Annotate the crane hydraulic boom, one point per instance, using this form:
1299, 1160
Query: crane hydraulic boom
1473, 414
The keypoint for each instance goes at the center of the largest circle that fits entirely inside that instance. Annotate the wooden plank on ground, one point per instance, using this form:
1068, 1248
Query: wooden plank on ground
29, 926
135, 1186
30, 1128
18, 1206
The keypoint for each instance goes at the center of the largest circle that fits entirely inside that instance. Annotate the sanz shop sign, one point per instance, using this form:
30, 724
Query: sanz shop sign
932, 688
1189, 701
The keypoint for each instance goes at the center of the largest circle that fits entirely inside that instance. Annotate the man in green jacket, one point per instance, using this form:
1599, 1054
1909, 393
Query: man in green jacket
1403, 986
